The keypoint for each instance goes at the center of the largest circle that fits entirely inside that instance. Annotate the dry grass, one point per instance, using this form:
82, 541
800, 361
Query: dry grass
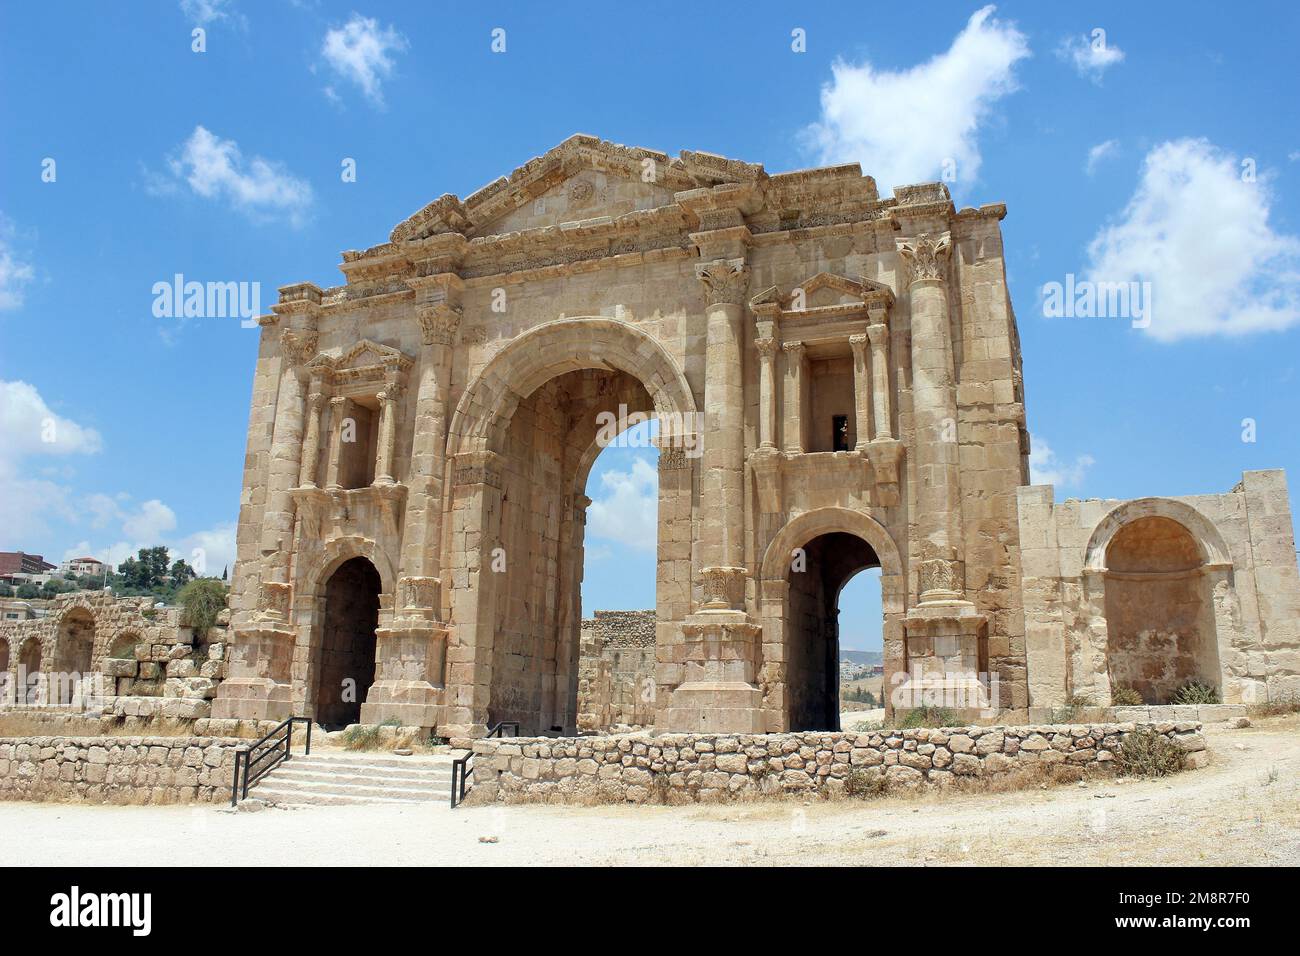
1282, 706
33, 724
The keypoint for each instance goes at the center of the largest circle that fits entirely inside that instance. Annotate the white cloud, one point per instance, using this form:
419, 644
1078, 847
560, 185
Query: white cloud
28, 426
1091, 55
903, 127
215, 168
35, 508
628, 508
362, 53
1099, 152
1046, 469
204, 12
1200, 235
14, 272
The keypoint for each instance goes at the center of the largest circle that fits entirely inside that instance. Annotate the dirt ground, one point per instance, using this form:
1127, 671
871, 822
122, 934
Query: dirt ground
1242, 809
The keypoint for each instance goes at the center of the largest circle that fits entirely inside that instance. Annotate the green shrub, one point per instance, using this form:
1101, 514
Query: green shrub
1125, 697
201, 601
1195, 692
1146, 753
928, 717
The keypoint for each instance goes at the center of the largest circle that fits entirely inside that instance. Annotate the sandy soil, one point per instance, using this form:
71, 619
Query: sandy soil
1242, 809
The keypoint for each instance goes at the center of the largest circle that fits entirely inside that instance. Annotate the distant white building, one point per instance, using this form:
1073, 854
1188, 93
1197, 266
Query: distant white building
82, 566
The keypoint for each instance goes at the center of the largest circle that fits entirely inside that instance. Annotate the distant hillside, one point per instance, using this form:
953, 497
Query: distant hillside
863, 657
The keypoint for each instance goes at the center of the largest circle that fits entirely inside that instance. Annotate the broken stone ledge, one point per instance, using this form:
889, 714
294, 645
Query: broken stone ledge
705, 768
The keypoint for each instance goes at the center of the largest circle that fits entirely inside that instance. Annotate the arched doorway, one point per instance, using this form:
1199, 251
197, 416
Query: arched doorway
818, 573
74, 649
31, 682
345, 655
524, 438
1160, 625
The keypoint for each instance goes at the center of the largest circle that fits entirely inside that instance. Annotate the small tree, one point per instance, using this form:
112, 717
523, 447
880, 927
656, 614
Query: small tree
201, 601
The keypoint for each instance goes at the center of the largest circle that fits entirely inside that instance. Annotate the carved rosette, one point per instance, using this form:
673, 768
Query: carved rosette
926, 256
726, 281
438, 323
298, 345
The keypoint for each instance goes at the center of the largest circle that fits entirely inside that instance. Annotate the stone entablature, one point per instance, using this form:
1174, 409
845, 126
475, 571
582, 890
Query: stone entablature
710, 768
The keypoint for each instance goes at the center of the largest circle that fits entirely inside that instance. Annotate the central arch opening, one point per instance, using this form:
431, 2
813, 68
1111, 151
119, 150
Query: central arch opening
551, 444
346, 659
818, 574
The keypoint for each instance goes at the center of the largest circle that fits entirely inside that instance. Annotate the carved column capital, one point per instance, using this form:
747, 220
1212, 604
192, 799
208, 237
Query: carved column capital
926, 255
859, 344
298, 345
438, 323
793, 350
766, 347
725, 281
878, 333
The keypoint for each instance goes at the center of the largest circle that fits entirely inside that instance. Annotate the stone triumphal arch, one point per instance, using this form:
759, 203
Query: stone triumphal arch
837, 382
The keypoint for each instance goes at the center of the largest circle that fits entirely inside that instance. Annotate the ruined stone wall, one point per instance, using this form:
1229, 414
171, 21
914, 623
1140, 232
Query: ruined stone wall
132, 770
1242, 598
145, 662
616, 670
717, 767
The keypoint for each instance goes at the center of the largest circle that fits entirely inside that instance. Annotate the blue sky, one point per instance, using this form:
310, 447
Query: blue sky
1117, 160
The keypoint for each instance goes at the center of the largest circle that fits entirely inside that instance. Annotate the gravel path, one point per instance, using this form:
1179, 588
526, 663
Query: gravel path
1243, 809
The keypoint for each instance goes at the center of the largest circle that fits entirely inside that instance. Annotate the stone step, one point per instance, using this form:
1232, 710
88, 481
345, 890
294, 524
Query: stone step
398, 778
335, 779
393, 773
295, 796
371, 761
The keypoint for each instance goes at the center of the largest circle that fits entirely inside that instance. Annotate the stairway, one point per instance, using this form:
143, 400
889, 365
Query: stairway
338, 778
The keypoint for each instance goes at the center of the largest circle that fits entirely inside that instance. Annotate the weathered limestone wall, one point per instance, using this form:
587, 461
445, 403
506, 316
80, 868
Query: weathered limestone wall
1085, 599
716, 767
131, 770
616, 670
142, 660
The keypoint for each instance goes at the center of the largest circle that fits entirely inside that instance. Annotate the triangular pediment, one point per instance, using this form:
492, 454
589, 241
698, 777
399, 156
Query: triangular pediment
365, 354
824, 290
580, 179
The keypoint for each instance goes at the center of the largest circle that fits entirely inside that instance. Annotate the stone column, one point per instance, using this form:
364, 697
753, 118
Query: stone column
722, 493
767, 392
861, 389
946, 636
878, 333
793, 397
387, 434
260, 657
311, 443
340, 412
297, 345
934, 414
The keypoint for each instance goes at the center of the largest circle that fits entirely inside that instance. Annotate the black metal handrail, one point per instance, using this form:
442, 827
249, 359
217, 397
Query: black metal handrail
462, 767
278, 750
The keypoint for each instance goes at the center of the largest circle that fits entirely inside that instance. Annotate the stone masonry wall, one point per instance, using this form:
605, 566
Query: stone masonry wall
131, 770
615, 666
715, 767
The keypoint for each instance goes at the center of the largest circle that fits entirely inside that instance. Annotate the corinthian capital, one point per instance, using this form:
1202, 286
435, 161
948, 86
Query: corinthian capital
438, 323
725, 281
926, 255
298, 345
